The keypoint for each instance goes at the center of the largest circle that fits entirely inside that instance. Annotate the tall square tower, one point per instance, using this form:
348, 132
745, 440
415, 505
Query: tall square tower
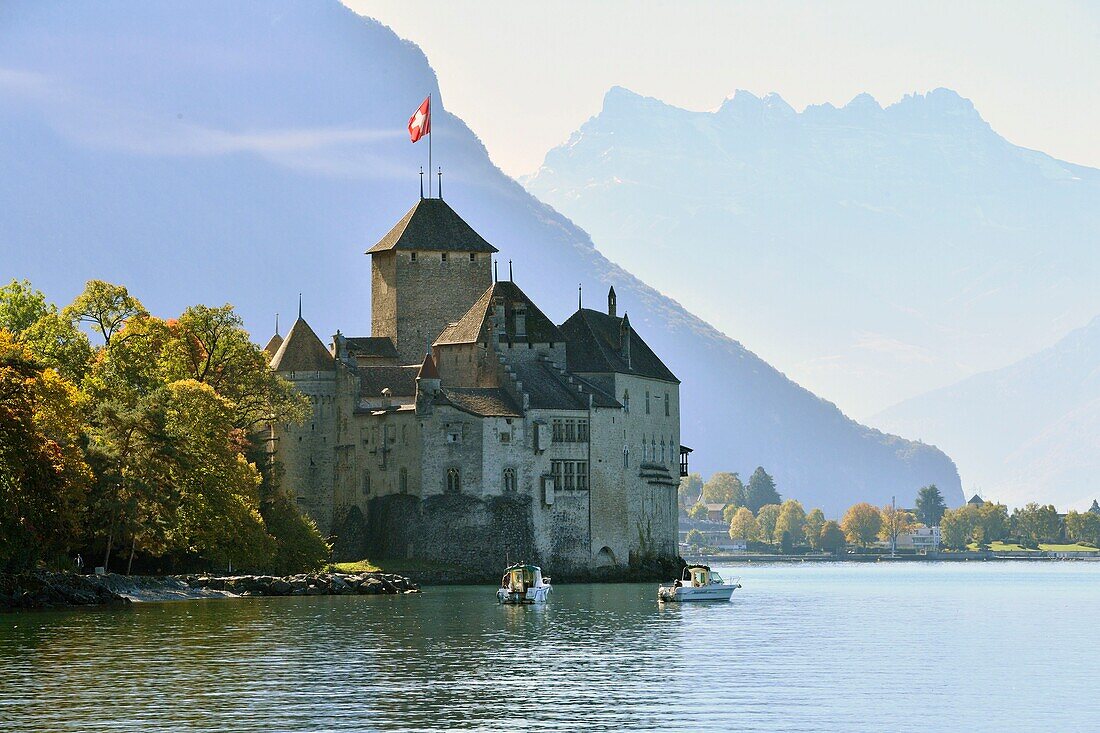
425, 274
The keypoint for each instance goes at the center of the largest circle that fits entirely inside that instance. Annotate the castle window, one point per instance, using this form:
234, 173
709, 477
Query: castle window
366, 483
647, 402
582, 475
509, 480
666, 405
412, 256
653, 447
626, 456
626, 400
582, 431
555, 471
645, 449
567, 475
454, 435
570, 431
662, 450
505, 437
403, 480
443, 257
454, 481
558, 435
473, 257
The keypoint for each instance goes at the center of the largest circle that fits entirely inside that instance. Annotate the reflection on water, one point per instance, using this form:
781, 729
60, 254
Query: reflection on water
982, 647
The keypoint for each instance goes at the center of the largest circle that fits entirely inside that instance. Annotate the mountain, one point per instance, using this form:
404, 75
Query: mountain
1027, 432
249, 151
871, 253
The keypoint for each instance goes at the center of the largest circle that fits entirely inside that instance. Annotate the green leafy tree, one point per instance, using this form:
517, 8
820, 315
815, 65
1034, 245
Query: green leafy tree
861, 524
1036, 523
957, 527
53, 340
105, 308
766, 520
1083, 527
730, 511
743, 525
691, 488
831, 537
993, 520
930, 506
790, 525
815, 520
698, 512
724, 488
21, 306
761, 491
695, 539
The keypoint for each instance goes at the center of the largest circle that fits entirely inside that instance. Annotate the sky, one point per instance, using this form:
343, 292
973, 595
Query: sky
1031, 69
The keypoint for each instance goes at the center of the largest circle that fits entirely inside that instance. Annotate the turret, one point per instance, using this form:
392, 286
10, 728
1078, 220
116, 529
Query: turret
427, 379
624, 339
611, 302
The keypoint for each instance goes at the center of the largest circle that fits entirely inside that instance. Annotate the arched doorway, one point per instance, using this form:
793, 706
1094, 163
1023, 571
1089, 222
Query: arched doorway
605, 557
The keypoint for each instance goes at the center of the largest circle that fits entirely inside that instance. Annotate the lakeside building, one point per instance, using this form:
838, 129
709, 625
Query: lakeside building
920, 538
469, 428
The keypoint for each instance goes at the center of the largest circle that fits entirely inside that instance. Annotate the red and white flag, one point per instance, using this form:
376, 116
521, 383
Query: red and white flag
420, 124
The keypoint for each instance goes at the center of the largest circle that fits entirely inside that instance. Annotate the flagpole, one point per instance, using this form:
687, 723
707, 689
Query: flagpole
429, 145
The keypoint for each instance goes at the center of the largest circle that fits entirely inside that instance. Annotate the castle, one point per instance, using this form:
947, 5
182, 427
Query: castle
469, 429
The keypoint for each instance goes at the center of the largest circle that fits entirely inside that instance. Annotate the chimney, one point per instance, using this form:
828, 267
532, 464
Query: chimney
624, 339
611, 303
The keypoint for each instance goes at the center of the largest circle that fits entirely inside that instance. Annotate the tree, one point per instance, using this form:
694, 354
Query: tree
815, 520
743, 525
698, 512
1083, 527
729, 511
930, 506
831, 537
993, 520
53, 340
790, 525
1036, 523
43, 474
861, 524
210, 345
105, 308
895, 522
691, 488
956, 528
724, 488
766, 520
761, 491
695, 539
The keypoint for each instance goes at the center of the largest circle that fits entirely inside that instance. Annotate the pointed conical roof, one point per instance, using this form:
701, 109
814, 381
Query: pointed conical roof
274, 344
427, 369
976, 500
431, 225
302, 351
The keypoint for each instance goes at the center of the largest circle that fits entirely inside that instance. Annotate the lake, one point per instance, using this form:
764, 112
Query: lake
811, 647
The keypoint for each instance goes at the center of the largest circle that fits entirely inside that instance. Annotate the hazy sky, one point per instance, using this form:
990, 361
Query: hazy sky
524, 76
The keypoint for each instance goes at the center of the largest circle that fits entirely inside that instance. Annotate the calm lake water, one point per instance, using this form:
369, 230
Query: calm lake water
954, 647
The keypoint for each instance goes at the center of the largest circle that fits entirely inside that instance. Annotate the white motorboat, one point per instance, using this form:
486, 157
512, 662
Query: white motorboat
698, 583
524, 583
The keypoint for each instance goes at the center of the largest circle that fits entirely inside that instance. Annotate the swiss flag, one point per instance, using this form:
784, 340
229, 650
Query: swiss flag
420, 124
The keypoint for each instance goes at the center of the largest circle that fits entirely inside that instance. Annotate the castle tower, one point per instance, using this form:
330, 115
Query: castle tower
425, 274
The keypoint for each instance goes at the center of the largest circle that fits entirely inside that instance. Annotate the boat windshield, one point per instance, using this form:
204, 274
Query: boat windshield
716, 578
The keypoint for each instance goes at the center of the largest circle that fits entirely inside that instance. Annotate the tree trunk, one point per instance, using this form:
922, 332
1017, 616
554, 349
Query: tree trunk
107, 555
133, 546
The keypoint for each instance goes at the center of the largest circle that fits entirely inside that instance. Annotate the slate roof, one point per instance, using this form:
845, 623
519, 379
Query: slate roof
274, 344
547, 388
302, 351
477, 324
480, 401
432, 225
428, 369
593, 339
378, 346
400, 380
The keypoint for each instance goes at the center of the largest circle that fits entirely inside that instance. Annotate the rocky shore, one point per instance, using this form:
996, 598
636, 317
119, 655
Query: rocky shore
67, 590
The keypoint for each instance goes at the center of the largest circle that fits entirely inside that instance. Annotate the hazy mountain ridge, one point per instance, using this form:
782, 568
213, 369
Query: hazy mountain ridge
873, 253
249, 151
1029, 431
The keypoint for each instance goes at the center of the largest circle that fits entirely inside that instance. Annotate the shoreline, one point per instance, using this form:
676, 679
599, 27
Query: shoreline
756, 559
40, 589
